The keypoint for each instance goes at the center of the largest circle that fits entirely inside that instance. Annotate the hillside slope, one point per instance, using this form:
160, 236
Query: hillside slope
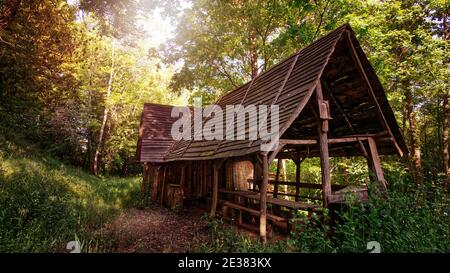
44, 203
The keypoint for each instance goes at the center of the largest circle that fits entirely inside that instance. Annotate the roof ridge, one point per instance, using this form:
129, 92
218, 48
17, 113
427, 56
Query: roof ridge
301, 105
334, 38
341, 28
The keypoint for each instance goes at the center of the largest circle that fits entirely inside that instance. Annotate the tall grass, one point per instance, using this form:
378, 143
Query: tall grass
44, 203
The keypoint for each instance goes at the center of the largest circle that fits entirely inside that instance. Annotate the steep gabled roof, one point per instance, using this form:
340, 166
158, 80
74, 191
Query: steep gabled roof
290, 84
155, 138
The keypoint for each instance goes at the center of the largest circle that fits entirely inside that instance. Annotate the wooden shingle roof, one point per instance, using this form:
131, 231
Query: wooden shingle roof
290, 85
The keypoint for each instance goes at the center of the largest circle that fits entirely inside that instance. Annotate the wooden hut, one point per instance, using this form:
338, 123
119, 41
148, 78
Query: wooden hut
331, 104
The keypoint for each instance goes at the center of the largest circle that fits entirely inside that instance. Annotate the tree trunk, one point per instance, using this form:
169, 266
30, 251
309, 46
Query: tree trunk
445, 140
445, 155
416, 164
253, 55
90, 134
105, 113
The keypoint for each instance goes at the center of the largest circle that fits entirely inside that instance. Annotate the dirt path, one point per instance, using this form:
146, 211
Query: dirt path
156, 230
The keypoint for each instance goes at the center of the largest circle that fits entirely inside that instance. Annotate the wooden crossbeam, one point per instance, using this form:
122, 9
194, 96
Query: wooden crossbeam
330, 141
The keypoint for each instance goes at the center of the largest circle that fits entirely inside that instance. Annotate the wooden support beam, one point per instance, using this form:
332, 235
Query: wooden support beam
257, 172
298, 141
300, 196
216, 167
322, 131
199, 184
215, 190
375, 165
263, 201
310, 142
205, 175
298, 163
157, 170
273, 155
182, 178
277, 178
163, 185
145, 178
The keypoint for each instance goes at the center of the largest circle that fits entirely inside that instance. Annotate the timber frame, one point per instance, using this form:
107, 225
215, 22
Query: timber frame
331, 105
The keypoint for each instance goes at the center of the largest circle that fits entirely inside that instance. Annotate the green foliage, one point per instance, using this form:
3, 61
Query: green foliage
313, 236
226, 239
45, 203
412, 220
55, 66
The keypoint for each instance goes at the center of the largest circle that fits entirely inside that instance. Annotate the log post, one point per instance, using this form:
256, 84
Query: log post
182, 178
277, 178
376, 172
145, 178
215, 193
263, 201
297, 178
324, 115
257, 174
163, 185
157, 169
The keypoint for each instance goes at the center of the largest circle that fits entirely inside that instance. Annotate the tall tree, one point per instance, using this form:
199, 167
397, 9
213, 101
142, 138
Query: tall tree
105, 111
225, 43
440, 12
399, 39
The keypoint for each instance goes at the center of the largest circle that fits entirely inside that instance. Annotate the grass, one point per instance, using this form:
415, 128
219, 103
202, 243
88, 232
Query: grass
44, 203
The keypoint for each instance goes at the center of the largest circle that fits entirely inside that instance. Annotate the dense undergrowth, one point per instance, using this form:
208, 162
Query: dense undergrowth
44, 203
412, 220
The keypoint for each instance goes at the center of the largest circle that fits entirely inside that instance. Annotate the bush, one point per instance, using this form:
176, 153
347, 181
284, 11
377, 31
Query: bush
313, 236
